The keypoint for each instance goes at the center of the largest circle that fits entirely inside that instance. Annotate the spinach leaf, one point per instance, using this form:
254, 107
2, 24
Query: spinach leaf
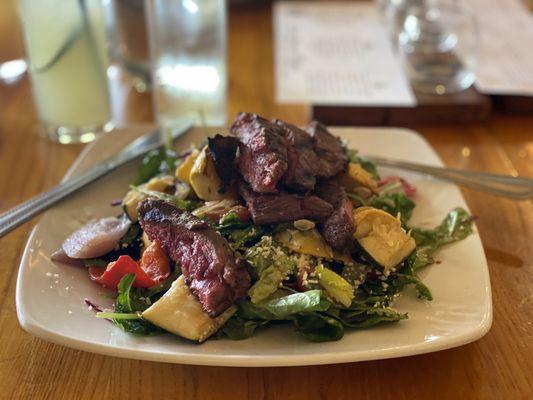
238, 329
131, 301
395, 203
303, 302
246, 320
365, 317
248, 310
318, 327
154, 163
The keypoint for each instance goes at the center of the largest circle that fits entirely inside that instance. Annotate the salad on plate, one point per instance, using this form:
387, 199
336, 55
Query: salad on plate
272, 224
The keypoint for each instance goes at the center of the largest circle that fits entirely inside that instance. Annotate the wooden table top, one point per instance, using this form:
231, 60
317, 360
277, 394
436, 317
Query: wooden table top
498, 366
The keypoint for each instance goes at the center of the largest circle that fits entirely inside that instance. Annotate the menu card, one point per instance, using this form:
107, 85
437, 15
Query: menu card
505, 54
336, 53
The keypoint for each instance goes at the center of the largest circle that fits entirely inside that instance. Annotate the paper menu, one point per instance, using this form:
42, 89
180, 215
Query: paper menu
336, 53
505, 53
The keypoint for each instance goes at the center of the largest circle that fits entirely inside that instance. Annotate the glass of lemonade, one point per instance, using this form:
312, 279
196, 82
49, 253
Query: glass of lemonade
187, 40
66, 46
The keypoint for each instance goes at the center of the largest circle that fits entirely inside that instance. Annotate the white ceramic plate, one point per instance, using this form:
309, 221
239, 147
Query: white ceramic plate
50, 297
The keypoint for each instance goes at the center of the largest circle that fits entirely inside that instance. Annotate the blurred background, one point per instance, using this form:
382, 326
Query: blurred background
96, 64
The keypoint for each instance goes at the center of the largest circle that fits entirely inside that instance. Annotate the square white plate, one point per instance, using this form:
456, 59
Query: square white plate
50, 296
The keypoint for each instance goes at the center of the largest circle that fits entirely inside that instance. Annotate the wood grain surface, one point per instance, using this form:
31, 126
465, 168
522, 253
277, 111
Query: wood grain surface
498, 366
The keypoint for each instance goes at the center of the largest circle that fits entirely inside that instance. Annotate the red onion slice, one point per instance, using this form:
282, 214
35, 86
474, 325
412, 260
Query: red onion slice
60, 256
96, 238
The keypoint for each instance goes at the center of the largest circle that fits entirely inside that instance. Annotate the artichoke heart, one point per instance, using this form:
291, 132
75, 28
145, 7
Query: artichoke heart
133, 197
356, 176
184, 169
205, 181
179, 312
382, 237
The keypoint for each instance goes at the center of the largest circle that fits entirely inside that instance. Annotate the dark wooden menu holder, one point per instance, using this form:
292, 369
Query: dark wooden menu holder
467, 106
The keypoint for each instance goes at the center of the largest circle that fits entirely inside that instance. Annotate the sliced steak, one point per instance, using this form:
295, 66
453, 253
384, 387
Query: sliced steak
223, 150
302, 160
283, 207
339, 227
328, 148
262, 152
205, 258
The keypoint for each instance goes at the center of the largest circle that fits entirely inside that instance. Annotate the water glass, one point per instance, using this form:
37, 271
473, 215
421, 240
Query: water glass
437, 42
66, 47
129, 40
187, 40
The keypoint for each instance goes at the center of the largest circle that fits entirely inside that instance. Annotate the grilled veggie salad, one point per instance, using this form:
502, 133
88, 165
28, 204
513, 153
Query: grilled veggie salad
272, 224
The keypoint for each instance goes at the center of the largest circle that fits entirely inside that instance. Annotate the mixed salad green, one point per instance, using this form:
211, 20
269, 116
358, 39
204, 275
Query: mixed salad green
297, 279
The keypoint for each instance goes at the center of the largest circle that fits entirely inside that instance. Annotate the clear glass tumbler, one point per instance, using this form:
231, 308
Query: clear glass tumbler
66, 46
128, 38
187, 40
437, 42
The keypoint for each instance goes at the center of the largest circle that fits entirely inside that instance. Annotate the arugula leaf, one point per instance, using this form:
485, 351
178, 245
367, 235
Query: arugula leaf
154, 163
116, 316
129, 302
318, 327
231, 220
421, 288
239, 233
456, 226
303, 302
367, 165
395, 203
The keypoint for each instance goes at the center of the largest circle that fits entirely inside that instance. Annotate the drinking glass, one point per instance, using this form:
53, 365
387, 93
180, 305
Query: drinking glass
129, 40
187, 40
437, 43
66, 46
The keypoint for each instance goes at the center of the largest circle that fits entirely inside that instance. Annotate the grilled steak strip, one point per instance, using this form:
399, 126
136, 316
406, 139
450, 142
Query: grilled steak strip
328, 148
301, 159
283, 207
339, 227
223, 150
204, 256
262, 152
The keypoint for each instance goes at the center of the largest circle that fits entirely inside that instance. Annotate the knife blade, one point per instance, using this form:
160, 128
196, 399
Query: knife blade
30, 208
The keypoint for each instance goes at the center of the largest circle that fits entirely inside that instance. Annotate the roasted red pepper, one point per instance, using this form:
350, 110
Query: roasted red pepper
151, 270
154, 262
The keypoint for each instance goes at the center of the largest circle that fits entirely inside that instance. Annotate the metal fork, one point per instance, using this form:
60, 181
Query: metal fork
519, 188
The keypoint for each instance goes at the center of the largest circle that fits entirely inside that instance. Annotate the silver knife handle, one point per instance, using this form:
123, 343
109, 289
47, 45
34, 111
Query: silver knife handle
27, 210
